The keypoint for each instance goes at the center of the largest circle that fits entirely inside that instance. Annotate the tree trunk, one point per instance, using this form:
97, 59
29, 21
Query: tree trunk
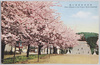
50, 50
14, 55
19, 50
28, 50
54, 50
2, 50
11, 52
47, 49
39, 50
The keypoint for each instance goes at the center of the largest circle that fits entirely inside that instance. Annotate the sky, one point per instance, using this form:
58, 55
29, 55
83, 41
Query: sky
80, 19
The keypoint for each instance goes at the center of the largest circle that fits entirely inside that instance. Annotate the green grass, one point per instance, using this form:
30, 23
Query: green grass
21, 58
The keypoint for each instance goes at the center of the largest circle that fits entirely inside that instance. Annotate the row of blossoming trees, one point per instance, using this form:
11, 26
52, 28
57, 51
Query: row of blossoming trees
34, 23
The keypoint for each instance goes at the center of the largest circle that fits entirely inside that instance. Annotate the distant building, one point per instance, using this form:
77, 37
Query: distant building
82, 48
8, 48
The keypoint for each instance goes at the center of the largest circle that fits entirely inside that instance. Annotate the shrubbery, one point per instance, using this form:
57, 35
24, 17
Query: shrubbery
91, 41
20, 58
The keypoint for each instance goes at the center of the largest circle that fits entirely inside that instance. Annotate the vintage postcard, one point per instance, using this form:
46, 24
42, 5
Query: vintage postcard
49, 32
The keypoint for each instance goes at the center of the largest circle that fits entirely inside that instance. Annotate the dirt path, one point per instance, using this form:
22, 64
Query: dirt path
65, 59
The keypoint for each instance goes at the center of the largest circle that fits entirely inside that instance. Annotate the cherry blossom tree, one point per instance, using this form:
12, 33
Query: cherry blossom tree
12, 15
62, 36
24, 19
34, 23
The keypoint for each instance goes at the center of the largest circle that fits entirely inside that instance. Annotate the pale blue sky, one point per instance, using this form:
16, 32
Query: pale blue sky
81, 19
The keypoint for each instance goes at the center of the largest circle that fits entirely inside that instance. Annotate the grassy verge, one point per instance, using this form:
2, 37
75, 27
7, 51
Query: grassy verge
21, 58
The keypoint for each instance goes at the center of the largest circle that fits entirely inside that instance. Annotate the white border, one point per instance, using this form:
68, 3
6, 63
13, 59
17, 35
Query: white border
51, 0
